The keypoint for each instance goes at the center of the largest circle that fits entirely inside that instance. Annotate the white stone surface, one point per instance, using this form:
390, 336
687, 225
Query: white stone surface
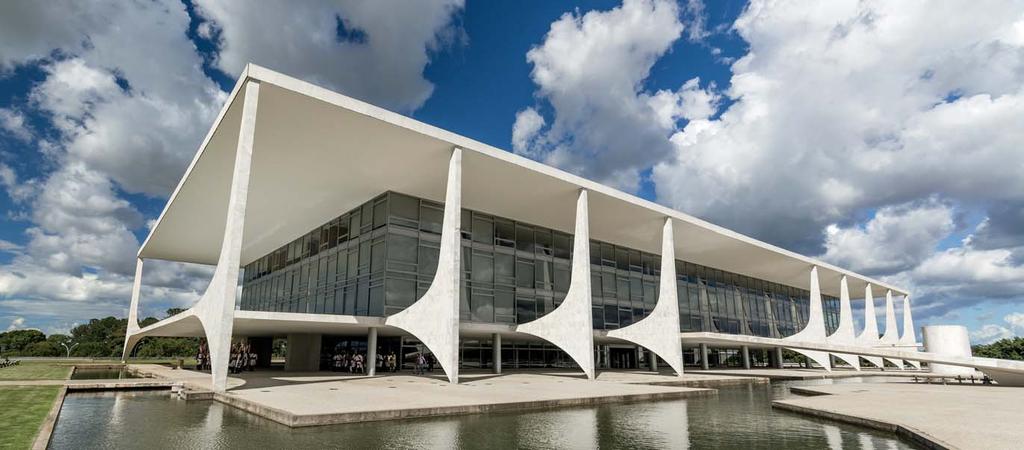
216, 308
908, 340
869, 337
891, 336
815, 329
434, 318
844, 332
659, 331
570, 325
133, 313
952, 340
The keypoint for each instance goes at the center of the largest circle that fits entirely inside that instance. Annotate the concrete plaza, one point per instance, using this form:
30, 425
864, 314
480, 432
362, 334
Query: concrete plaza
934, 415
321, 398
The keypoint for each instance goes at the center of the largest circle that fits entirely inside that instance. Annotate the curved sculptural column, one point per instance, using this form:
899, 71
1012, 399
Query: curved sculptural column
216, 308
434, 318
130, 339
844, 332
869, 337
659, 331
570, 325
815, 329
908, 341
891, 336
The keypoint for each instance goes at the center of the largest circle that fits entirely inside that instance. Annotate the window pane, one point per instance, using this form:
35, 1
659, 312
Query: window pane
401, 248
524, 273
400, 292
483, 230
404, 207
483, 268
504, 233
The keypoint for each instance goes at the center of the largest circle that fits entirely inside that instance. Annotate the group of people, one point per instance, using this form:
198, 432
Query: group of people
352, 363
355, 362
242, 357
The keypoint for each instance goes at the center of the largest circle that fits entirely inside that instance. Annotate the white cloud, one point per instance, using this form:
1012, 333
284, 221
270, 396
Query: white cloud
122, 120
14, 123
591, 68
897, 238
18, 322
382, 61
127, 101
990, 333
844, 107
524, 130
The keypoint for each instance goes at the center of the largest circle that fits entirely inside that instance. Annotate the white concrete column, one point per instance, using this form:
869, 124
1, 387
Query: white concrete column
908, 340
654, 360
746, 356
496, 341
133, 313
869, 337
891, 336
606, 353
844, 332
216, 309
779, 360
434, 318
659, 331
815, 329
570, 325
704, 356
371, 352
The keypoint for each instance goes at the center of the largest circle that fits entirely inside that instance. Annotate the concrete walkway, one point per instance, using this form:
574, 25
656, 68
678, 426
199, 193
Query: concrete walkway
313, 401
320, 398
937, 416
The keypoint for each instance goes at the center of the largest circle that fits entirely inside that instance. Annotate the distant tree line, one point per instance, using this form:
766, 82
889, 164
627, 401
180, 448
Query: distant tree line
100, 338
1009, 348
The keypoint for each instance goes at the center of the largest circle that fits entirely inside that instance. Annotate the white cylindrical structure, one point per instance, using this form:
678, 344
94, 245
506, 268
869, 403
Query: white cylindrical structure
951, 340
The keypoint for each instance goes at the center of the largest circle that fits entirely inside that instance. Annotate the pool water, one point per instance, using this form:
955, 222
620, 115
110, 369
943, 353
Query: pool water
102, 373
738, 417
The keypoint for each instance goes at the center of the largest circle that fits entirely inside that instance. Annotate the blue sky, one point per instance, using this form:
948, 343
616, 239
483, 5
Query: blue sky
854, 132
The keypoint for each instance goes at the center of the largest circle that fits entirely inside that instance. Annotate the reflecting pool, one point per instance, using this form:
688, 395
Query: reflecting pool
102, 373
738, 417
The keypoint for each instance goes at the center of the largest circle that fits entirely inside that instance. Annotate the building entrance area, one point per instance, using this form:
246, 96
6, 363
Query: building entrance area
622, 358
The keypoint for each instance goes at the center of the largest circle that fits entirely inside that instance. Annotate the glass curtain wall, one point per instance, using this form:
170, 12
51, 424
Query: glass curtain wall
380, 257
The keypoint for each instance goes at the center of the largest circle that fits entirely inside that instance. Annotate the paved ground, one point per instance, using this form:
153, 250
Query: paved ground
311, 398
960, 416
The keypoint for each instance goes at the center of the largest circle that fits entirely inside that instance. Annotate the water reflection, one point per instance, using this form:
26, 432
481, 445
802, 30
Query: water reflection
738, 417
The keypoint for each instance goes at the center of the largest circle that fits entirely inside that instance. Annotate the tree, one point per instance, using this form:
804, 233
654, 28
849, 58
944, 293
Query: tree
16, 341
174, 311
1009, 348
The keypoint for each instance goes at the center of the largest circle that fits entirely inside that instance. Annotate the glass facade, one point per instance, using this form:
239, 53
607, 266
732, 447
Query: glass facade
377, 259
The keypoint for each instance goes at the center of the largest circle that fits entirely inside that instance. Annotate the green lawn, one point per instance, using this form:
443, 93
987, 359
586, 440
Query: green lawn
22, 410
36, 370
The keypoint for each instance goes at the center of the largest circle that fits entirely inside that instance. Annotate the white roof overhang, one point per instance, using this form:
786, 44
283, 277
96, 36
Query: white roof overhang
317, 154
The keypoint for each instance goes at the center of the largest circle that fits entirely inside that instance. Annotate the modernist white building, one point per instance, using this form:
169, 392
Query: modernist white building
361, 228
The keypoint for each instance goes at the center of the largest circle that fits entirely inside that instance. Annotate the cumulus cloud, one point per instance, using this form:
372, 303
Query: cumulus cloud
375, 51
590, 69
988, 333
18, 322
844, 107
120, 120
897, 238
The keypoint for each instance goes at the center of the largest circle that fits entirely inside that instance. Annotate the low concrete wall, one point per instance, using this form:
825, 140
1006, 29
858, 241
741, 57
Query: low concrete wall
46, 429
912, 434
294, 420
